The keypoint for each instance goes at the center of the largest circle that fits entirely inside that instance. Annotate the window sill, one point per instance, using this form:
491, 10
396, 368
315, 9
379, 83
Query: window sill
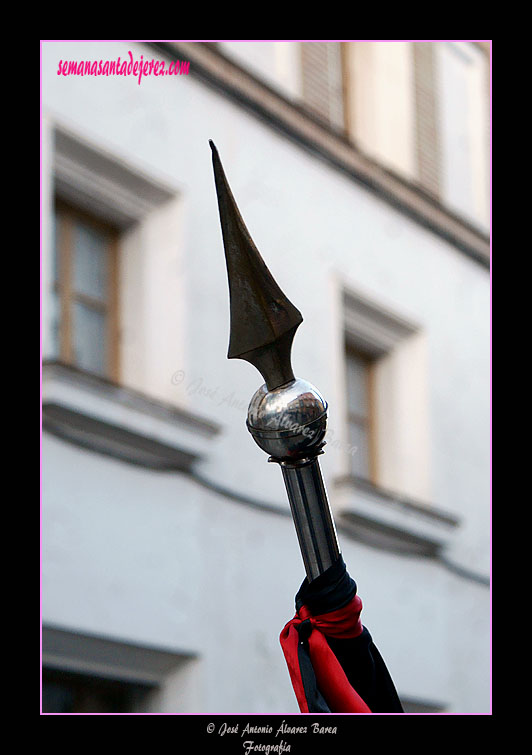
108, 418
390, 521
104, 657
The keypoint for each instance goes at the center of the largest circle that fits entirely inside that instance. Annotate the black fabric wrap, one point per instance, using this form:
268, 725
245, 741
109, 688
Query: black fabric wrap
361, 661
328, 592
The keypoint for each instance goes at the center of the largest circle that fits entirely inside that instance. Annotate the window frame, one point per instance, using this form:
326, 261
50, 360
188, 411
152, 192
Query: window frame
368, 422
66, 216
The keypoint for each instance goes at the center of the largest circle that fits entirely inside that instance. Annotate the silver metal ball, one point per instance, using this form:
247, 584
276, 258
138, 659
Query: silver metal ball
289, 421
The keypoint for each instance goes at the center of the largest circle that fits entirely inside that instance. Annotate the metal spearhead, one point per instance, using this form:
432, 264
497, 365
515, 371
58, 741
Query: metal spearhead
287, 417
263, 320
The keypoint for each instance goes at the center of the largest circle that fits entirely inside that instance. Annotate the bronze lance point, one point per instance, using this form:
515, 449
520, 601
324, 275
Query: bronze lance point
263, 319
287, 417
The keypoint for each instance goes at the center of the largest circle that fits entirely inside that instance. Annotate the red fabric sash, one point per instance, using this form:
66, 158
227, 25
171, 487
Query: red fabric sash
330, 677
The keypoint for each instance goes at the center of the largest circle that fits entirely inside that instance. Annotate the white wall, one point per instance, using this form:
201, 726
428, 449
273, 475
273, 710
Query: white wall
129, 554
153, 559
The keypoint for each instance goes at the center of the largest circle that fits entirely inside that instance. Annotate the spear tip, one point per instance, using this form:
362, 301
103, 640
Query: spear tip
263, 319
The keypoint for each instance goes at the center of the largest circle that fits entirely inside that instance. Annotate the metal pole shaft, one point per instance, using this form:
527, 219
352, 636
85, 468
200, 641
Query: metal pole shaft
312, 515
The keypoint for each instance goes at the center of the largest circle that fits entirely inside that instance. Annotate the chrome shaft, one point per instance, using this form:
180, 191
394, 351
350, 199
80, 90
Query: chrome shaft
312, 515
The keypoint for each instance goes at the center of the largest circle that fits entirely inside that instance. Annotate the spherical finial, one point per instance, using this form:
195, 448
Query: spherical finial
290, 421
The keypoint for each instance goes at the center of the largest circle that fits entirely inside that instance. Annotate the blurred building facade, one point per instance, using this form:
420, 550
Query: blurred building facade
169, 558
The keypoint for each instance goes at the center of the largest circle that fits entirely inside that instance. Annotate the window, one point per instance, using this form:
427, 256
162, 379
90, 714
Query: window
422, 110
67, 692
84, 294
386, 397
359, 408
84, 673
463, 114
379, 103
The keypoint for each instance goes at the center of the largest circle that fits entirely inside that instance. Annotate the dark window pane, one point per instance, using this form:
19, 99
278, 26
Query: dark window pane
90, 262
357, 385
358, 449
89, 338
68, 692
